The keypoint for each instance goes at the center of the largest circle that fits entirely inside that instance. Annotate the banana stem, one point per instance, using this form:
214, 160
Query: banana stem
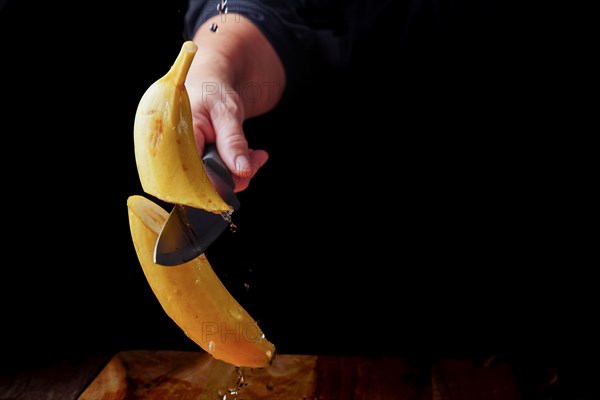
181, 66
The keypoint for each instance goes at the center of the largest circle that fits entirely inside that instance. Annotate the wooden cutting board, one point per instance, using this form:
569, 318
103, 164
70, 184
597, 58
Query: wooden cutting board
164, 375
180, 375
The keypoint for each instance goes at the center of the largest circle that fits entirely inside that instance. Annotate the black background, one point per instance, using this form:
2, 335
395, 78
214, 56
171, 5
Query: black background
416, 207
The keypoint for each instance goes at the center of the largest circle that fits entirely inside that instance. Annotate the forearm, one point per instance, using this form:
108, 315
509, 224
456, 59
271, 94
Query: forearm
238, 57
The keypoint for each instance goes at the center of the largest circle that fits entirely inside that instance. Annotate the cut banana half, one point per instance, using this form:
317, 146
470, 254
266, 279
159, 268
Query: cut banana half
193, 296
166, 155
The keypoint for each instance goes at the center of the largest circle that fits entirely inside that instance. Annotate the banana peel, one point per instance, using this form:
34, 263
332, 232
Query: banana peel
166, 155
194, 298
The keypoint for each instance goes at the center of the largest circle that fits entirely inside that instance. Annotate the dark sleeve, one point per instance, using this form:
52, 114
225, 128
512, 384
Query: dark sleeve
308, 35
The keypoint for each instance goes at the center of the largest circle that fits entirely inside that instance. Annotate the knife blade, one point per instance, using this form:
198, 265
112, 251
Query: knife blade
189, 231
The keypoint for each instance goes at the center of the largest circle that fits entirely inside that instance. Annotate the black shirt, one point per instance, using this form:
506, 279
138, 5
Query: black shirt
311, 35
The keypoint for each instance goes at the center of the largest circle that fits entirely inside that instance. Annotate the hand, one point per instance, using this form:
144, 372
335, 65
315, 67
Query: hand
218, 114
238, 55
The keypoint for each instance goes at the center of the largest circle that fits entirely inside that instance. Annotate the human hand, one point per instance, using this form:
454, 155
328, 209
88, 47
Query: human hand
218, 115
238, 56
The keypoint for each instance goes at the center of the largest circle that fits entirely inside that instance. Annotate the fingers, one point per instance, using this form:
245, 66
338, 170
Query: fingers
220, 122
242, 161
258, 158
203, 132
233, 148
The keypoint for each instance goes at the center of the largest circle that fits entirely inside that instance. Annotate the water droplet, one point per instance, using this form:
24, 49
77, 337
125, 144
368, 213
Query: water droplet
235, 312
197, 281
214, 27
226, 216
246, 286
211, 346
236, 383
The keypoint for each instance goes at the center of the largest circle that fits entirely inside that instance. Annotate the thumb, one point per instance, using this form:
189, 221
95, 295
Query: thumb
233, 148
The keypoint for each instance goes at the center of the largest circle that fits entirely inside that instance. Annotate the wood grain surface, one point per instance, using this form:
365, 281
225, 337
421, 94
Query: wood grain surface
191, 375
166, 375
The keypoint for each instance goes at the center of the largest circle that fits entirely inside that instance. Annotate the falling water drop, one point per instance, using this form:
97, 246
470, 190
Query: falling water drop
241, 380
214, 27
227, 217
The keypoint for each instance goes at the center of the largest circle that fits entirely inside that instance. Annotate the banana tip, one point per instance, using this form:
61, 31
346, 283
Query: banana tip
190, 46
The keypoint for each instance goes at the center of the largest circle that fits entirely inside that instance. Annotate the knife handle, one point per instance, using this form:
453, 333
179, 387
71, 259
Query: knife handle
212, 158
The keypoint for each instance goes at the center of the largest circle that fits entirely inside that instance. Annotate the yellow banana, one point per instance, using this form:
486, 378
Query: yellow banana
167, 159
193, 296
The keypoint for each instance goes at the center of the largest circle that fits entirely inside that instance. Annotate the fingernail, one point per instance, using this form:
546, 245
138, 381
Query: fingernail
244, 167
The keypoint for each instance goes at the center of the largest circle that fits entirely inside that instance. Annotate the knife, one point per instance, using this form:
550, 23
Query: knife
189, 231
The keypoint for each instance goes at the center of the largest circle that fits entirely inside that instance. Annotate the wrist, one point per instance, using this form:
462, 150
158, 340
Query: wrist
239, 58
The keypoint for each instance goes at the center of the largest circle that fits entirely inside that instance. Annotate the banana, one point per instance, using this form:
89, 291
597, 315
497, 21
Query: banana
167, 159
171, 170
194, 298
